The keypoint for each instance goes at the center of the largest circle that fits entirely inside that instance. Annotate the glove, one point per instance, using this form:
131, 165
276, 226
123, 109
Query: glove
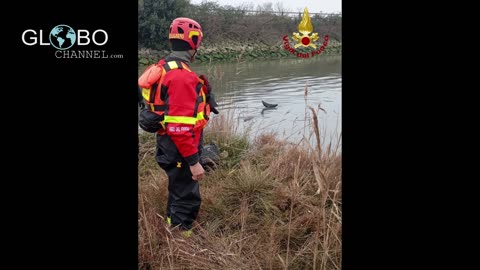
212, 102
210, 95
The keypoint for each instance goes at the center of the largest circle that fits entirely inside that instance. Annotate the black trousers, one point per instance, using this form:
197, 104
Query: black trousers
183, 192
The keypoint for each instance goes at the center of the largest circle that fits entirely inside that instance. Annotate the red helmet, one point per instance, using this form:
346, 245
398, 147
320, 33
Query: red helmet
187, 30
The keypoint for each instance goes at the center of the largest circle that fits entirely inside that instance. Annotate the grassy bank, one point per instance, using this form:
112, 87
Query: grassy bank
269, 205
230, 51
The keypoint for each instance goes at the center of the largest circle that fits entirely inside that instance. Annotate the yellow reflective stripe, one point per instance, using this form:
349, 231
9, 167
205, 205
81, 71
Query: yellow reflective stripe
172, 64
192, 33
180, 119
146, 93
183, 119
152, 108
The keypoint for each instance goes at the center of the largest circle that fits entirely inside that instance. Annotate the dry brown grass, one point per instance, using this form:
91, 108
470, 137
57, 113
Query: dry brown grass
270, 205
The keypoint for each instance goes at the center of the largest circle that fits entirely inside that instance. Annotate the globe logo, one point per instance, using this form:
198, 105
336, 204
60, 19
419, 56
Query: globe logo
62, 37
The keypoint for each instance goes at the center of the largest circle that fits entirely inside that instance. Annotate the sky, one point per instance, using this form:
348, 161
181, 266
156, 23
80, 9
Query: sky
314, 6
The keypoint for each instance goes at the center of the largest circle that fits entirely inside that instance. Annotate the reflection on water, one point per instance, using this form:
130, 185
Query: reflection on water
243, 86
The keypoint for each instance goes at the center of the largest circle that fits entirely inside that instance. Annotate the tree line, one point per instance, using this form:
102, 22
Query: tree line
266, 23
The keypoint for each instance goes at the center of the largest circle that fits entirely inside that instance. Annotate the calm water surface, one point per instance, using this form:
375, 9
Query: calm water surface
241, 86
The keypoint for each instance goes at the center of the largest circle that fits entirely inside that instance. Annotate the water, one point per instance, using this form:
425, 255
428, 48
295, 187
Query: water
242, 86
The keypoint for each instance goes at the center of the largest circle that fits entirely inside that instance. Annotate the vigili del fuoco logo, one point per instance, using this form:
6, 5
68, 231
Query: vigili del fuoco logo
305, 38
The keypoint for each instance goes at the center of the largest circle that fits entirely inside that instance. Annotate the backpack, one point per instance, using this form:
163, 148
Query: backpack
150, 82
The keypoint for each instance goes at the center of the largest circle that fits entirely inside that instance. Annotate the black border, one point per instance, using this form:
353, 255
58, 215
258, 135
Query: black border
398, 132
375, 220
71, 141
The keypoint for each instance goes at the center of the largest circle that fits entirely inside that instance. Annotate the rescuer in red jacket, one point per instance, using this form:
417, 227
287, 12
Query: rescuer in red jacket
178, 96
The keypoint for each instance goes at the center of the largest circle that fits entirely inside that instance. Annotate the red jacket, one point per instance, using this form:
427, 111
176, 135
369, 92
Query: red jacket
175, 93
186, 111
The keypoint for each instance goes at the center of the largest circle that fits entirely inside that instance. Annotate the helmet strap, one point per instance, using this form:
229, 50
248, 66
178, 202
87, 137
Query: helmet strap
193, 55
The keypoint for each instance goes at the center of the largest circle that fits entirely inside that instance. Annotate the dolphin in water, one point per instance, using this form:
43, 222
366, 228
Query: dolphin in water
269, 105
